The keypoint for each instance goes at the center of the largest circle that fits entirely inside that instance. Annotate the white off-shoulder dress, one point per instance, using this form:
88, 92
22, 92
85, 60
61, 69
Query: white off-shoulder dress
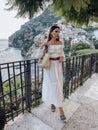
52, 87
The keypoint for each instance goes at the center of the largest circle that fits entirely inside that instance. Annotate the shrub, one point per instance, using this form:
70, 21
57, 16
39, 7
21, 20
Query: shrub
79, 46
86, 51
96, 44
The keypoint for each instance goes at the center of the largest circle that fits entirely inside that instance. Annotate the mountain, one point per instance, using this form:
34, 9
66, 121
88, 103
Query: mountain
24, 38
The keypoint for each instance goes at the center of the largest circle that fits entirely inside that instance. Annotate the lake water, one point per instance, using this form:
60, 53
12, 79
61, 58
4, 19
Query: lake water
9, 54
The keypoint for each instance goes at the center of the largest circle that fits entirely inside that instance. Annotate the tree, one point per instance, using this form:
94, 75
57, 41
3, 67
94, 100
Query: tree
67, 45
79, 46
26, 7
95, 43
78, 11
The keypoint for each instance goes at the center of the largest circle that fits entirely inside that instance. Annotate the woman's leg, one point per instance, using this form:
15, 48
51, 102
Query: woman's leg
61, 110
62, 115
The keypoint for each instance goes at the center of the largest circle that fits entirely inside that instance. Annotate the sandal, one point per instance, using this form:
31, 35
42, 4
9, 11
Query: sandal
62, 117
53, 108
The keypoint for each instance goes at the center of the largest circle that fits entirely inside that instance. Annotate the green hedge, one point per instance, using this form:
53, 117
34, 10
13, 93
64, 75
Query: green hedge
79, 46
86, 51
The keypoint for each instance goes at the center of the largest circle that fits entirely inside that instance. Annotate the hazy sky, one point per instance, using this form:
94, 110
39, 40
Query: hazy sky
8, 23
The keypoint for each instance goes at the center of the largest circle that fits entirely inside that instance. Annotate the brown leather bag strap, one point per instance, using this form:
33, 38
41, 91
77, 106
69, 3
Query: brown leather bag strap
46, 48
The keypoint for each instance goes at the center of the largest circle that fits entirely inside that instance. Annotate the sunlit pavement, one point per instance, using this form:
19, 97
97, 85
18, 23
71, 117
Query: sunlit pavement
81, 110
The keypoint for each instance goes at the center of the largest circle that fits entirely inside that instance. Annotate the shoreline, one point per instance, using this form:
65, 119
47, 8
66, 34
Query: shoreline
1, 39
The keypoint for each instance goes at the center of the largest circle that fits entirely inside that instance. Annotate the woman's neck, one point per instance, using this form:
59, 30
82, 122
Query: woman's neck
54, 40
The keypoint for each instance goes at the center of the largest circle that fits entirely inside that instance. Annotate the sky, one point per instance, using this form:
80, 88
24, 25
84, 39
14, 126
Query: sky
8, 23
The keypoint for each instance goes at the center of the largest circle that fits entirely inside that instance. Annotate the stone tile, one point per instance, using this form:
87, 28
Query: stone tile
76, 96
93, 104
70, 107
27, 122
93, 91
83, 119
89, 89
81, 90
52, 118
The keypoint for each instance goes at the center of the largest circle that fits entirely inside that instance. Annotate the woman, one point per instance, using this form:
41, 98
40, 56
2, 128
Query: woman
52, 88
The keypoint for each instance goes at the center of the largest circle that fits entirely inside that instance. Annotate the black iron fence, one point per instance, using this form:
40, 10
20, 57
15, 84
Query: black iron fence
21, 82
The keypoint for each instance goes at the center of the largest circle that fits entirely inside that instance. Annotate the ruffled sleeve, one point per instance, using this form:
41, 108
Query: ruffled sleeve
62, 50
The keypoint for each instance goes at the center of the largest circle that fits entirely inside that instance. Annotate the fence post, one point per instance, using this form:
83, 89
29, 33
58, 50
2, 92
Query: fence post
0, 81
1, 87
91, 65
67, 78
82, 68
96, 70
27, 76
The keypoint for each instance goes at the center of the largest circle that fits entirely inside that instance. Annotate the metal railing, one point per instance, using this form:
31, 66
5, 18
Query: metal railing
77, 70
21, 82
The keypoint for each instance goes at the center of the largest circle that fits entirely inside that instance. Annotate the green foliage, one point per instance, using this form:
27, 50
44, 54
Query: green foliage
79, 46
26, 7
86, 51
6, 86
96, 44
66, 47
90, 29
78, 11
72, 10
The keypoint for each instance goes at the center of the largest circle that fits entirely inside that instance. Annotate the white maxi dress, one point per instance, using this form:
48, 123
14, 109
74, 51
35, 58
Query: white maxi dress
52, 87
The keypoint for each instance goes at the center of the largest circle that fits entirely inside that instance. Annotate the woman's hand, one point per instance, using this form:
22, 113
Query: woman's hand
61, 59
45, 44
42, 45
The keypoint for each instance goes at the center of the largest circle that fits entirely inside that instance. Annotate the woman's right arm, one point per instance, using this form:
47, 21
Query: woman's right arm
45, 44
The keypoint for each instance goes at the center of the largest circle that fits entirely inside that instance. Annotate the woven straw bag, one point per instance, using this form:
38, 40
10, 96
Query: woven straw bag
44, 62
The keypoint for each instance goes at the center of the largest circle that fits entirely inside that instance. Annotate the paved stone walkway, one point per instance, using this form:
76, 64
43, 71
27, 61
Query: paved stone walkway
81, 110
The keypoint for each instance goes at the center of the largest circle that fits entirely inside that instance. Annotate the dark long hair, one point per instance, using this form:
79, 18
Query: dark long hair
51, 30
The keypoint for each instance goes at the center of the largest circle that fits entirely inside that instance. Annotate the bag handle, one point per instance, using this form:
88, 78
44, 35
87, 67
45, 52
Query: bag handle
46, 49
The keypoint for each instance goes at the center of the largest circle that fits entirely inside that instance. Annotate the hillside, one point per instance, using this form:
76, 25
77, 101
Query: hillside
24, 37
